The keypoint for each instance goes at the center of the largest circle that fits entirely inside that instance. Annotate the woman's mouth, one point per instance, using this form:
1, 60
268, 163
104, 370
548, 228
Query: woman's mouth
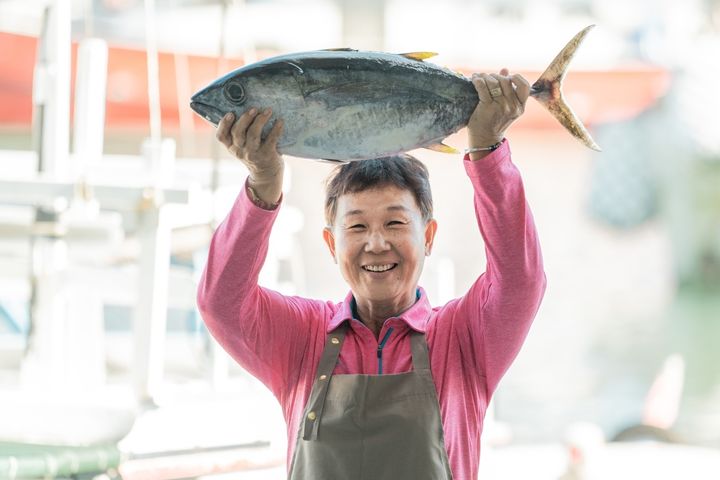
379, 268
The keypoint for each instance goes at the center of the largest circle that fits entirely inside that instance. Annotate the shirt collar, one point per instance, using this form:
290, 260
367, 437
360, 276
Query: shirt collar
416, 317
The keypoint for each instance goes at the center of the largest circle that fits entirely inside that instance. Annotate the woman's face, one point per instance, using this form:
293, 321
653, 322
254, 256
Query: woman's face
380, 241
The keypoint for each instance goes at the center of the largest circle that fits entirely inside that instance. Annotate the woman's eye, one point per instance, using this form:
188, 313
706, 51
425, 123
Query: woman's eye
396, 222
357, 226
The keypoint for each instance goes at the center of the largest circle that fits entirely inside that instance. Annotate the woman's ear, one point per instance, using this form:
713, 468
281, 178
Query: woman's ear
430, 229
330, 241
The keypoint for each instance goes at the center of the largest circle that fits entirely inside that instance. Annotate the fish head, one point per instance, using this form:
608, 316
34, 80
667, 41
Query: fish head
267, 84
215, 101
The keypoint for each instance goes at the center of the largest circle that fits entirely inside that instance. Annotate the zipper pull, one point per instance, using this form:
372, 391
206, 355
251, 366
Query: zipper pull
380, 348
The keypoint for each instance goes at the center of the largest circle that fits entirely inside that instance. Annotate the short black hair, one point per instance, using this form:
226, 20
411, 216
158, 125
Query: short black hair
403, 171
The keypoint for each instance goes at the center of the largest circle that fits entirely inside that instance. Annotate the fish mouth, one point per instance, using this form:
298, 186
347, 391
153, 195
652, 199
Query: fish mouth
208, 112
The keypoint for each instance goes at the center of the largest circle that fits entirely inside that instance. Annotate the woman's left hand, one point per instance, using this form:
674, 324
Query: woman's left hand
502, 99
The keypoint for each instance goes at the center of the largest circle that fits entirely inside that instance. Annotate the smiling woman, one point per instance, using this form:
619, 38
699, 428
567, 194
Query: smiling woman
379, 234
381, 385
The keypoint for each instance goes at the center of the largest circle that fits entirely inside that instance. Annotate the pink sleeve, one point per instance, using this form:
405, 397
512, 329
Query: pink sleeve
499, 308
265, 332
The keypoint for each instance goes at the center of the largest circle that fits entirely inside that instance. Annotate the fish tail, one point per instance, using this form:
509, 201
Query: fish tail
548, 91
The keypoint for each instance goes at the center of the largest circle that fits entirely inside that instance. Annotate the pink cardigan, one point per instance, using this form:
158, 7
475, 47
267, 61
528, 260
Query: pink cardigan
472, 340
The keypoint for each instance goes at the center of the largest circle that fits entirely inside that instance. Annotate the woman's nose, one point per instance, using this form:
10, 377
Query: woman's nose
376, 242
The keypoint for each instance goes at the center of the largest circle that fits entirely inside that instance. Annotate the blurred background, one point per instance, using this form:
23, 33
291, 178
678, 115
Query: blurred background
110, 188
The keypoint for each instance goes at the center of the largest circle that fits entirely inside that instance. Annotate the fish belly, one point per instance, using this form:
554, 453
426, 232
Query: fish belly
357, 132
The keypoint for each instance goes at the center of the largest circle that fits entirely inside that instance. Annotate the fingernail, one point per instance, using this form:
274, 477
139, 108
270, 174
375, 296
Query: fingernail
268, 111
252, 111
229, 115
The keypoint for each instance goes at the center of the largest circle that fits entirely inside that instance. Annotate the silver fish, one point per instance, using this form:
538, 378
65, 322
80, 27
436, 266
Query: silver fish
344, 105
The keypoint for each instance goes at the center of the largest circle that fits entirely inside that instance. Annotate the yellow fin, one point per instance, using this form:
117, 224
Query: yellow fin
418, 55
441, 147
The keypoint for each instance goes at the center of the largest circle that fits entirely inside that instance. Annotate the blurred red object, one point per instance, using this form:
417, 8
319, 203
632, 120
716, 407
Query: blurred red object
596, 96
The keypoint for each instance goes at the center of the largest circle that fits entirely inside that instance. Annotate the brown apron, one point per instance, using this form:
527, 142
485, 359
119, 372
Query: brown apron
371, 427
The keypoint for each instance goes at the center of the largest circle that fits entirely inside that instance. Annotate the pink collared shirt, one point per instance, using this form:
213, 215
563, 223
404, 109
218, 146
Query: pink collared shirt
472, 340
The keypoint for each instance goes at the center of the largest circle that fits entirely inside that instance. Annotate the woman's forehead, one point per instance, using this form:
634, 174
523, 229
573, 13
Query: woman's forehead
377, 199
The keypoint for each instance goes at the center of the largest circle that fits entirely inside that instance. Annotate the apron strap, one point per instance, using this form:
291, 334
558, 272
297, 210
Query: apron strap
329, 358
419, 348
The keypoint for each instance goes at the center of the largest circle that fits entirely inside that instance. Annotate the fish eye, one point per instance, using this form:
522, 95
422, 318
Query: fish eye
234, 92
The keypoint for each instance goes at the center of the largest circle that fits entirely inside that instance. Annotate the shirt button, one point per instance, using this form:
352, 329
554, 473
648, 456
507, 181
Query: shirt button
335, 341
323, 377
312, 416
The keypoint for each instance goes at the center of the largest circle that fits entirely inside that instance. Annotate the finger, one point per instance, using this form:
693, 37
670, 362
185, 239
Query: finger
493, 84
274, 135
252, 140
504, 72
522, 87
239, 129
483, 92
223, 129
506, 86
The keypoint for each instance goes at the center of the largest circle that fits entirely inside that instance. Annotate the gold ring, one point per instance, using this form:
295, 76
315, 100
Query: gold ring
496, 92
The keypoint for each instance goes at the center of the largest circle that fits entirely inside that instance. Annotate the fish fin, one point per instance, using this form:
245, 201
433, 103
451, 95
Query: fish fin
547, 91
418, 55
441, 147
297, 67
332, 161
341, 49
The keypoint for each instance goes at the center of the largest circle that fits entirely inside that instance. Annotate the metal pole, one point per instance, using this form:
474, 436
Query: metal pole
184, 91
153, 76
45, 362
56, 120
39, 91
150, 319
90, 83
153, 233
221, 68
220, 366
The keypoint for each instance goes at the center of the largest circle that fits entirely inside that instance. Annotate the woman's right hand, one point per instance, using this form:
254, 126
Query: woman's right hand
242, 138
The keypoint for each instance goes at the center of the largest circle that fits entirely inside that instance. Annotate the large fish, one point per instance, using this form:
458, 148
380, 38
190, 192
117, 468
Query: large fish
344, 105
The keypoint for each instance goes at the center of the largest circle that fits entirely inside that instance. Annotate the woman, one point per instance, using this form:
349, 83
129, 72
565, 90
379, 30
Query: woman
380, 385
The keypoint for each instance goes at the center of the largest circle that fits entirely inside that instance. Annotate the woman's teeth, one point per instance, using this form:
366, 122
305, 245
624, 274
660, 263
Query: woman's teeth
379, 268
